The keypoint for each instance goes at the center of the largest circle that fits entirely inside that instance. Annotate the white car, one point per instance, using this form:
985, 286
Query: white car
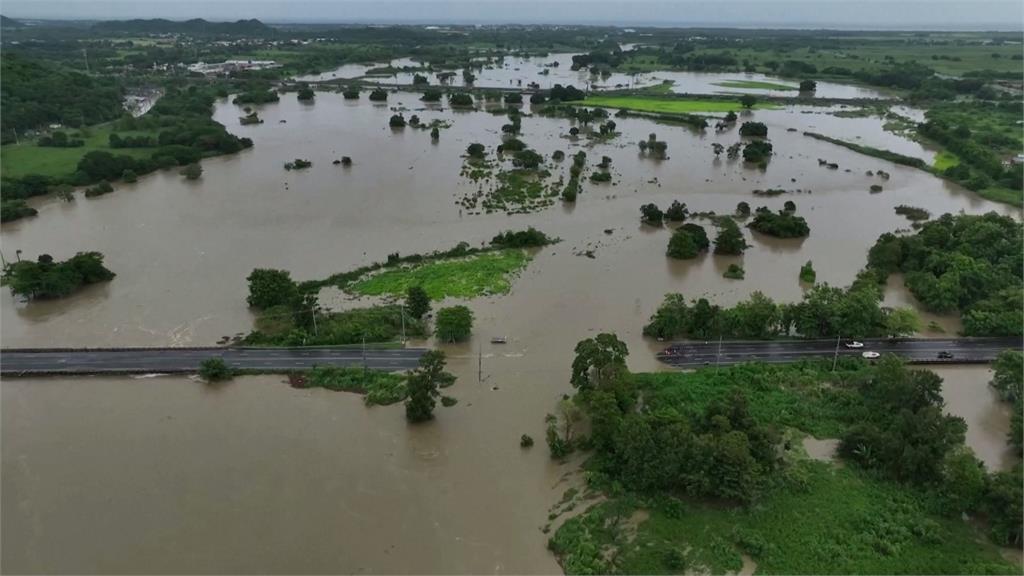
854, 344
870, 355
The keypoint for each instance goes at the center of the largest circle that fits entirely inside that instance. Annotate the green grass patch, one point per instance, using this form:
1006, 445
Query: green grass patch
17, 160
671, 105
820, 520
944, 160
378, 388
476, 275
755, 85
1003, 194
277, 326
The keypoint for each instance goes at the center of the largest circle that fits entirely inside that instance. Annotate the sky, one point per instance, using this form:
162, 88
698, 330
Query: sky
838, 14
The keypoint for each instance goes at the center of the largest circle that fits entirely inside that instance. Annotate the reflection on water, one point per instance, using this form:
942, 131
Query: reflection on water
255, 476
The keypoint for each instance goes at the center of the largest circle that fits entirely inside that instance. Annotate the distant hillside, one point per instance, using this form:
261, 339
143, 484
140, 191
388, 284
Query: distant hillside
6, 22
196, 26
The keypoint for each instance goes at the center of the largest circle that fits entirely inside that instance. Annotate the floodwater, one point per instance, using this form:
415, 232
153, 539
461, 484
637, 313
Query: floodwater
546, 71
969, 396
165, 474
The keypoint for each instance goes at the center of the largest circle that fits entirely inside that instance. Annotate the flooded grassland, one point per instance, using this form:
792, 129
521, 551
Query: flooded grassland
165, 474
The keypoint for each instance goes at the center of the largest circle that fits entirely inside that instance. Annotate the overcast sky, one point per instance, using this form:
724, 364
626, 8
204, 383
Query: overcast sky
872, 14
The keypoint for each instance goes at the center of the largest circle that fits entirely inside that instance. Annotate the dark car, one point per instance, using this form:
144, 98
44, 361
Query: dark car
945, 355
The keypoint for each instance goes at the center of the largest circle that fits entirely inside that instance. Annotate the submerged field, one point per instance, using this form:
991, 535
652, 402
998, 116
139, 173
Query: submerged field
670, 105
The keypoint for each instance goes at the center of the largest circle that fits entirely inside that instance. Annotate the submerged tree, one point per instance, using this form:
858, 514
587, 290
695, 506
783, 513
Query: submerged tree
417, 303
423, 386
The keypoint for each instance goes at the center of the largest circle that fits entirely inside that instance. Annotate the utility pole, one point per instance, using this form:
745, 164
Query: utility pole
835, 356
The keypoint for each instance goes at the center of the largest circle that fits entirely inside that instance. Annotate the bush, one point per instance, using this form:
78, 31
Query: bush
807, 273
379, 95
687, 241
453, 324
734, 272
214, 370
525, 441
756, 129
397, 121
460, 99
651, 214
268, 287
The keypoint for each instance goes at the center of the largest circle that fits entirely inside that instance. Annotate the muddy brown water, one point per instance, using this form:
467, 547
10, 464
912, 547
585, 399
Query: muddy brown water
165, 474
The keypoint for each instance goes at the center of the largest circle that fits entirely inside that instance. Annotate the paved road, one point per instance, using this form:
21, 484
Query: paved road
692, 354
168, 360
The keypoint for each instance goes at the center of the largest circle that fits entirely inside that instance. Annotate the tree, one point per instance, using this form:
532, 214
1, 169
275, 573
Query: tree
419, 80
397, 121
743, 209
306, 94
597, 361
651, 214
687, 241
269, 287
460, 99
417, 303
748, 101
676, 212
453, 324
963, 481
435, 134
730, 239
423, 386
717, 149
214, 370
782, 224
192, 171
808, 85
755, 129
379, 95
45, 278
902, 322
807, 273
1005, 506
1008, 376
475, 150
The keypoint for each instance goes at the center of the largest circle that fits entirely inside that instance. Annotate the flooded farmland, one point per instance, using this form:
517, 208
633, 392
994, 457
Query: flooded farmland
185, 477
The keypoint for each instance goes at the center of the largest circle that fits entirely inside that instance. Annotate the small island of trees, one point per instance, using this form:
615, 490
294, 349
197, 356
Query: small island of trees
47, 278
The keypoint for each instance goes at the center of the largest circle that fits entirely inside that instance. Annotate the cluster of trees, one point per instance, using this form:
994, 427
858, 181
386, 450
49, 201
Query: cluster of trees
60, 139
968, 263
656, 147
720, 452
36, 94
453, 324
306, 94
730, 240
687, 242
757, 152
529, 238
261, 94
460, 99
568, 93
379, 95
46, 278
782, 224
980, 164
1008, 381
754, 129
823, 312
115, 140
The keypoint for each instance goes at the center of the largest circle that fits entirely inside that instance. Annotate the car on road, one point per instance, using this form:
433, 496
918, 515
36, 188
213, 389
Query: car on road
945, 355
870, 355
854, 344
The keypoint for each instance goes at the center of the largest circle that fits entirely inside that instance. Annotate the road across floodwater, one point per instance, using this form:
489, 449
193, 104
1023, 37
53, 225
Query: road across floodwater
178, 360
693, 354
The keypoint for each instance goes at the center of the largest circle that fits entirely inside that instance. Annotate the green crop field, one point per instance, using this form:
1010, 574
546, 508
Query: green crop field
670, 105
755, 85
27, 158
487, 273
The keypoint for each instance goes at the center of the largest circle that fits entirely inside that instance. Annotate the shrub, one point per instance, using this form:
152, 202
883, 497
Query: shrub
214, 370
453, 324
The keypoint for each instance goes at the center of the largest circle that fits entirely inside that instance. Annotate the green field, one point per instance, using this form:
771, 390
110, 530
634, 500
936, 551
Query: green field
755, 85
17, 160
670, 105
487, 273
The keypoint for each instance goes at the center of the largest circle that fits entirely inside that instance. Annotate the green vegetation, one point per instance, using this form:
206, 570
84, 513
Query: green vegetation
215, 370
709, 466
755, 85
1008, 381
944, 160
453, 324
669, 105
730, 240
967, 263
913, 213
423, 387
734, 272
26, 158
46, 278
873, 152
378, 388
529, 238
823, 312
286, 325
781, 224
476, 275
807, 273
687, 242
417, 301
